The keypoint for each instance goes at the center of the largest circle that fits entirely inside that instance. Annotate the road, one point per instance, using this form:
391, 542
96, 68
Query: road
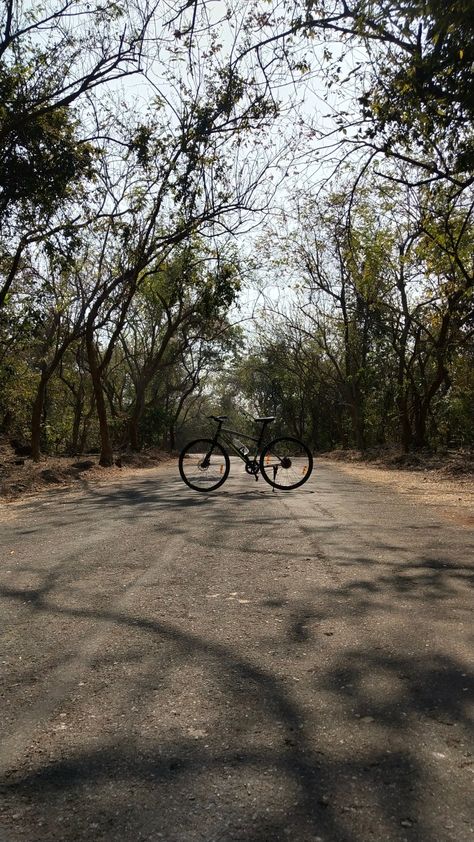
241, 666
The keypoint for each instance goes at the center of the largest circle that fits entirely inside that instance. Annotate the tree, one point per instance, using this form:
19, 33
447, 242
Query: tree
381, 312
180, 307
417, 103
411, 62
53, 56
438, 326
185, 164
339, 255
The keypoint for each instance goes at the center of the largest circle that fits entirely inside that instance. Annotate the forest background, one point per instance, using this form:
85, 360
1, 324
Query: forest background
247, 207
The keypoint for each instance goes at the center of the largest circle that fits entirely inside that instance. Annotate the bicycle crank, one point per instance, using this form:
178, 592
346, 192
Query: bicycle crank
252, 468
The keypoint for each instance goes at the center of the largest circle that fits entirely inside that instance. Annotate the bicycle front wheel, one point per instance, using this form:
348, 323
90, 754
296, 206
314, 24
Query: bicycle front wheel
204, 465
286, 463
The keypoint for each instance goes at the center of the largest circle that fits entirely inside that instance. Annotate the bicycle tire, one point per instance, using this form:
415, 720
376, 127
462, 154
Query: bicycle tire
192, 471
288, 458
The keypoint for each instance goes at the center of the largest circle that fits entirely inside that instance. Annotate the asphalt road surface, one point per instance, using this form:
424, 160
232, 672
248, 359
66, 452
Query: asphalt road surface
244, 666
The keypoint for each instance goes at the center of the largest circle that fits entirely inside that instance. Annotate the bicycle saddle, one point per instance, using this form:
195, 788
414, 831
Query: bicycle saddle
218, 417
270, 418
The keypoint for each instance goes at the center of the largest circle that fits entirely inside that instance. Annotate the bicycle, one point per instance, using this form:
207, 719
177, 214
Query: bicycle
284, 463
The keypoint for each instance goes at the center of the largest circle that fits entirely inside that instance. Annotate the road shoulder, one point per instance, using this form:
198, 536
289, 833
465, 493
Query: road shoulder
453, 497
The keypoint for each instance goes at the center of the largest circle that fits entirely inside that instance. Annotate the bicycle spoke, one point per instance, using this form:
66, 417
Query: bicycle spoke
286, 463
204, 465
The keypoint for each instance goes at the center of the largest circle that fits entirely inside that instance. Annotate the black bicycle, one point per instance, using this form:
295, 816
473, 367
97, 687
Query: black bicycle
285, 463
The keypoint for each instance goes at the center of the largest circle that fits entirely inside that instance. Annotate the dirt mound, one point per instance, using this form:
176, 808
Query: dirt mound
22, 476
137, 460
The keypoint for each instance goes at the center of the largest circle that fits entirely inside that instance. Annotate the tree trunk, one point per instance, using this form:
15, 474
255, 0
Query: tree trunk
419, 432
404, 420
76, 426
357, 418
355, 412
85, 427
36, 416
134, 421
106, 453
405, 430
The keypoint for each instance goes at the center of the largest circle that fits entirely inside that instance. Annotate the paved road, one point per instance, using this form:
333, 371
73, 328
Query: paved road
244, 666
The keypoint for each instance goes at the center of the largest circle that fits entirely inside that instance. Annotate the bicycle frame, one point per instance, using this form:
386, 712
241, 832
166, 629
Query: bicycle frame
226, 432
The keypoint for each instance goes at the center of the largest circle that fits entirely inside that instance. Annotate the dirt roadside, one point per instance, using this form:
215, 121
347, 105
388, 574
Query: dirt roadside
446, 483
20, 477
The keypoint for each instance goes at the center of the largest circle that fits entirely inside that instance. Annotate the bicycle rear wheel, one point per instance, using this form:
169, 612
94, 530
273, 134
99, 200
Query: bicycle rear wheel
286, 463
204, 465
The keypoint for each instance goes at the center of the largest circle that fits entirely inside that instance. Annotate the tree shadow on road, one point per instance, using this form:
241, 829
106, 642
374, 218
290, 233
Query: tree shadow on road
266, 769
180, 736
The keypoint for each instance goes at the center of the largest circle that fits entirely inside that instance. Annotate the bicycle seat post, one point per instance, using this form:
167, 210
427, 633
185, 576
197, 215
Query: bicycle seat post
219, 420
